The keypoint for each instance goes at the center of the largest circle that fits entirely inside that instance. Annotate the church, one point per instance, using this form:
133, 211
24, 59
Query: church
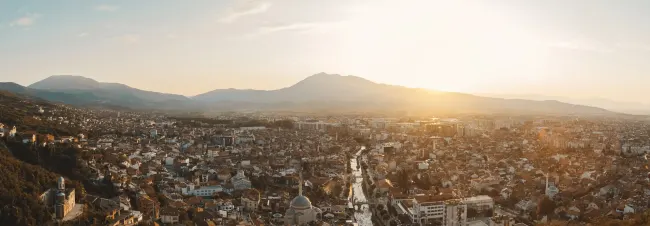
61, 199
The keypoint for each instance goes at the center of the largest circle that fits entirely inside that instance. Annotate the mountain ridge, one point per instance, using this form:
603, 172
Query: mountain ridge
319, 91
326, 88
628, 107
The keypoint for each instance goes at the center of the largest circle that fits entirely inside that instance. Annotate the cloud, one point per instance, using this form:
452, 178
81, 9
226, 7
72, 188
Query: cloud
289, 27
243, 9
320, 27
129, 38
25, 21
81, 35
106, 8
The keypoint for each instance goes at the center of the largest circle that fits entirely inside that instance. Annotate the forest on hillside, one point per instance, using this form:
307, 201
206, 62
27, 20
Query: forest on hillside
20, 186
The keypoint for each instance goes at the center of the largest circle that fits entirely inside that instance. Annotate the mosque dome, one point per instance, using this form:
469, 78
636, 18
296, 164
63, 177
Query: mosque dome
300, 202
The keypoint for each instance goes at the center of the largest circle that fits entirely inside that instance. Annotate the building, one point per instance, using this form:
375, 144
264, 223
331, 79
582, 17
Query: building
240, 181
455, 213
479, 207
300, 210
225, 140
169, 215
251, 128
148, 206
444, 209
502, 221
29, 137
423, 209
60, 198
313, 125
205, 191
250, 199
551, 189
12, 132
244, 139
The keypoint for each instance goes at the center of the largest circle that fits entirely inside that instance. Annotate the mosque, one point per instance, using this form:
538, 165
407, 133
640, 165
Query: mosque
300, 211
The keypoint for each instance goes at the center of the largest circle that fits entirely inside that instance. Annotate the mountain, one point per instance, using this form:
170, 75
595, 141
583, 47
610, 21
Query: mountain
53, 96
81, 91
110, 91
318, 93
612, 105
78, 90
350, 93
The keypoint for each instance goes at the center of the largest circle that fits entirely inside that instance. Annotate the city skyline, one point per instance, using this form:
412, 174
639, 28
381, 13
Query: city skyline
579, 49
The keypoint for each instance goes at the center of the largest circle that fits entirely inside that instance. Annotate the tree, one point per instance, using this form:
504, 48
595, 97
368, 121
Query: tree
403, 180
545, 206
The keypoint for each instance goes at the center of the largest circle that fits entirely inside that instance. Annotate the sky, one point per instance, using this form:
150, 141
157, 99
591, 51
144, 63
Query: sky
578, 48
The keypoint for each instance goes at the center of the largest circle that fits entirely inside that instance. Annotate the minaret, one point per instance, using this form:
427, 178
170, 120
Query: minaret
546, 191
300, 185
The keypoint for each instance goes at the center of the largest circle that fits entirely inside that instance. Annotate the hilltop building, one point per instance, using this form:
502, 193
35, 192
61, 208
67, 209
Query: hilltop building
61, 199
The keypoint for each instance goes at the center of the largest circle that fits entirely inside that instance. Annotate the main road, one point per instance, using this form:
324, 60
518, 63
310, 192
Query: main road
363, 216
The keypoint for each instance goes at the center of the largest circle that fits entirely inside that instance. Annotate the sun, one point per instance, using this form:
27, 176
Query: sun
441, 45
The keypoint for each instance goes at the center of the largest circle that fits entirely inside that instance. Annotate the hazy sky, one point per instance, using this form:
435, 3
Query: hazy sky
578, 48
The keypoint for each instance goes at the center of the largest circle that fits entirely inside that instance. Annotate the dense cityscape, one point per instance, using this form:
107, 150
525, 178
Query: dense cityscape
134, 168
324, 113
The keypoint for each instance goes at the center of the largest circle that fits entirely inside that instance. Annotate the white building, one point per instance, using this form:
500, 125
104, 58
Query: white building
312, 125
442, 209
455, 213
243, 139
205, 191
479, 206
13, 131
480, 203
423, 166
251, 128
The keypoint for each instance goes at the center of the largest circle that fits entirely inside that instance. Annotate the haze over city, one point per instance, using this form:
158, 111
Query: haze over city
576, 49
324, 112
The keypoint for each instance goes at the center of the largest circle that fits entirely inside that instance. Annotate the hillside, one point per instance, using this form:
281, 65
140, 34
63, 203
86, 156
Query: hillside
27, 170
20, 186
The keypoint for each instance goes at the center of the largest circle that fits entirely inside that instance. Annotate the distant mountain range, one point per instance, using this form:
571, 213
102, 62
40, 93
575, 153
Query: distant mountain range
617, 106
78, 90
320, 92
